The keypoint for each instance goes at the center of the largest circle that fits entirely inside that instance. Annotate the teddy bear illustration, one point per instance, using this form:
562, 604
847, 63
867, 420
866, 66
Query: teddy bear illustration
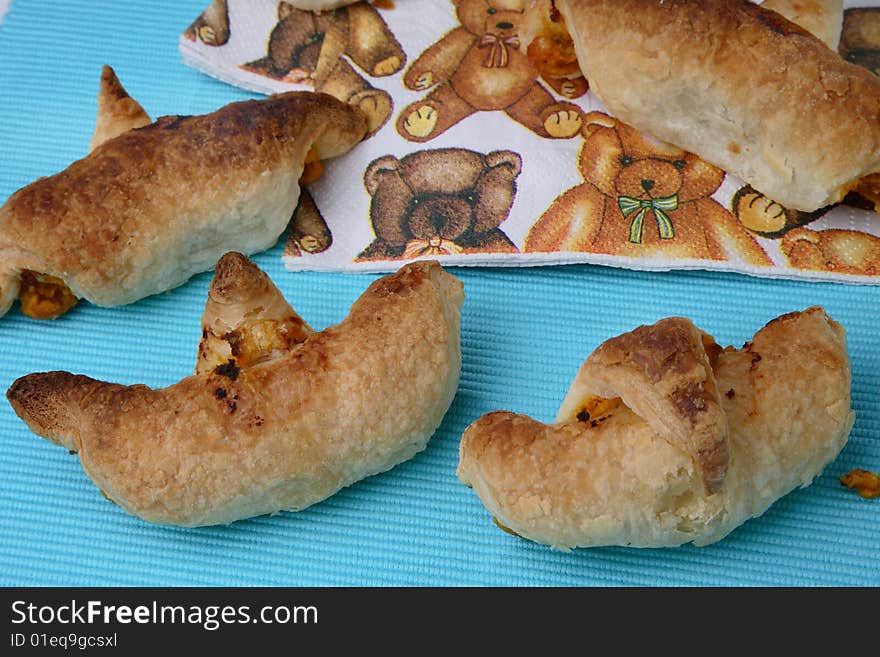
440, 202
212, 25
767, 218
307, 47
308, 231
642, 198
832, 250
481, 66
860, 37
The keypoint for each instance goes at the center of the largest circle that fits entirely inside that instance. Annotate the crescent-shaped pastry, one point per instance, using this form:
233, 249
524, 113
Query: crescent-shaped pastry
149, 208
735, 83
281, 432
616, 471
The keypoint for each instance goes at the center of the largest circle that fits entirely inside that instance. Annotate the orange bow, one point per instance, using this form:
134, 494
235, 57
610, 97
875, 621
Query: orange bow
434, 246
498, 57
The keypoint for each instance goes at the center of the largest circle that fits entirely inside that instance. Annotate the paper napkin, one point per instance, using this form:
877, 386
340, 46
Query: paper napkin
475, 159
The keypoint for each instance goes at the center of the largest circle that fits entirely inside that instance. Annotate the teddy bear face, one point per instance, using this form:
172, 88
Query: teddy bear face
622, 162
500, 18
440, 198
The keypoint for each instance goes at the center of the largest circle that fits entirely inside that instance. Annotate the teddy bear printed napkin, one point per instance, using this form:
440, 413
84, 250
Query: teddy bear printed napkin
474, 158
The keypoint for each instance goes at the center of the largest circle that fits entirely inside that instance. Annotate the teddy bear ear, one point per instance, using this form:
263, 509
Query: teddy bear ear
595, 121
285, 9
377, 169
501, 158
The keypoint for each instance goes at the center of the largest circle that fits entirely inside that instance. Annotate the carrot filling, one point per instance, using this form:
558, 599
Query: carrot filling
869, 187
865, 483
312, 170
597, 409
43, 296
552, 51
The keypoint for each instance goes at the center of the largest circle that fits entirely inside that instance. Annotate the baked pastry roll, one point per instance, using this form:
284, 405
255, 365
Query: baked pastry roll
152, 206
280, 432
737, 84
610, 471
821, 18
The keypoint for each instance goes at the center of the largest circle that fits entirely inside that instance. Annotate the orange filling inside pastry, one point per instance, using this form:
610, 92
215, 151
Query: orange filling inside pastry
312, 170
43, 296
597, 409
254, 341
552, 51
869, 187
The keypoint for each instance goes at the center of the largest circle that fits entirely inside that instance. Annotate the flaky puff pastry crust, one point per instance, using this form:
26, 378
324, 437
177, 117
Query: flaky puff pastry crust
149, 208
246, 317
737, 84
350, 401
617, 478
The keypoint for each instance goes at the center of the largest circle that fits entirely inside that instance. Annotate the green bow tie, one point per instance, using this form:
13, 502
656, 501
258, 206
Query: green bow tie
658, 206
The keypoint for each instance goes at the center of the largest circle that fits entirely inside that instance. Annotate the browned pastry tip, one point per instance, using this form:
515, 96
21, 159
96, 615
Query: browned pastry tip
49, 403
117, 111
281, 434
610, 472
241, 290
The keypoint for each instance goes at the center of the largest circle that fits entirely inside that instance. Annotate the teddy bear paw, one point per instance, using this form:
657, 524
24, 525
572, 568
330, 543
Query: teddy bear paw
563, 124
312, 244
376, 106
421, 122
207, 35
423, 81
759, 213
387, 66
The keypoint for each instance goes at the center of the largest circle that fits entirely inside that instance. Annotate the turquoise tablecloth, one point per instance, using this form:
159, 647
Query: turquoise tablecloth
524, 334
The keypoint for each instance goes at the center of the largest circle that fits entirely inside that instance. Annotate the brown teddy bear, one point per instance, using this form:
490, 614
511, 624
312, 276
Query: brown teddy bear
440, 202
212, 25
307, 47
833, 250
642, 198
482, 66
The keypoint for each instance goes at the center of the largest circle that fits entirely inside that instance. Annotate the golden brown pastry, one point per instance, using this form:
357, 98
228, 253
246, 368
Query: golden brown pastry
117, 111
822, 18
612, 473
737, 84
662, 373
279, 434
149, 208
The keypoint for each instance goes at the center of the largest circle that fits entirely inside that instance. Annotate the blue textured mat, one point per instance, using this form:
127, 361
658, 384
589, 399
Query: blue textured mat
525, 332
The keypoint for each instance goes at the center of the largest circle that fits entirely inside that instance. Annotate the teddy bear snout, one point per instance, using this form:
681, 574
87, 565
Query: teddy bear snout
504, 25
441, 216
649, 178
